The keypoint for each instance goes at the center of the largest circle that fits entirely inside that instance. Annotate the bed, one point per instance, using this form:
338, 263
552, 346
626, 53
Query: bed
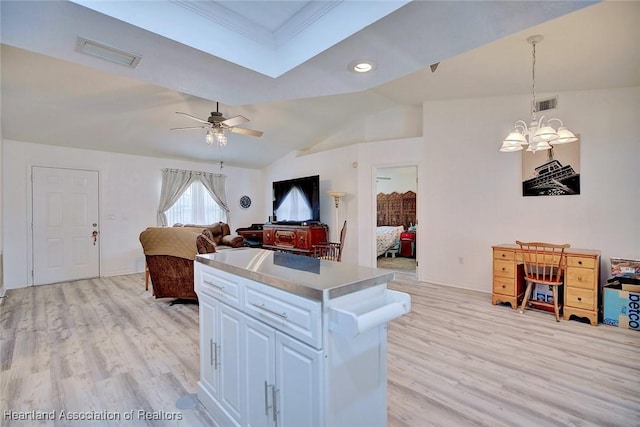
387, 236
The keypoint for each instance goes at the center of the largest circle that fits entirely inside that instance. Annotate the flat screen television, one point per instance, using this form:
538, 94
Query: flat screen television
297, 200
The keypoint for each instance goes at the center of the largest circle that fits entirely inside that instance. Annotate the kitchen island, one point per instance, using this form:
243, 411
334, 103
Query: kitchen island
289, 340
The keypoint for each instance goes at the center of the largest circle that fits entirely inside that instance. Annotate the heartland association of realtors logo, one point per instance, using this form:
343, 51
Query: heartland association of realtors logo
140, 414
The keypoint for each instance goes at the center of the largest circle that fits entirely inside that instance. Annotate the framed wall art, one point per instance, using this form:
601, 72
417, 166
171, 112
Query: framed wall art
554, 172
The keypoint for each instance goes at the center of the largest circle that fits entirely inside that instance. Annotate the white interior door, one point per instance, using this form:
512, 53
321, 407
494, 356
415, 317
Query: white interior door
65, 225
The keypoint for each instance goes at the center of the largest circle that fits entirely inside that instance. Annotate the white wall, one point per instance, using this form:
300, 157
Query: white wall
474, 196
129, 193
401, 180
351, 169
337, 173
469, 193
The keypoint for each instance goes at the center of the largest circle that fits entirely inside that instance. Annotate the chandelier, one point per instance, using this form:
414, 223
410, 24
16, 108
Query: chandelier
217, 136
539, 134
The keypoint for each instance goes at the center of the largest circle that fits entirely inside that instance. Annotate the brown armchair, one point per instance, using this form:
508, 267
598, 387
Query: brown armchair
170, 253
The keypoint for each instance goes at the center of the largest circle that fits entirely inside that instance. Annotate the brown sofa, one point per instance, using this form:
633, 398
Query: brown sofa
220, 233
171, 251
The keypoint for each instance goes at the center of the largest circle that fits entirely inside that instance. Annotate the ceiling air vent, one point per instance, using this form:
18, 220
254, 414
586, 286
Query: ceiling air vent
108, 53
547, 104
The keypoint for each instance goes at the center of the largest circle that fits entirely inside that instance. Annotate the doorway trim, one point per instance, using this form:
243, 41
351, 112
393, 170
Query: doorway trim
374, 210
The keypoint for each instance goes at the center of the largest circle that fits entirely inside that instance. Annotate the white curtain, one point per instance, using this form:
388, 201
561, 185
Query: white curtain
294, 206
215, 184
174, 183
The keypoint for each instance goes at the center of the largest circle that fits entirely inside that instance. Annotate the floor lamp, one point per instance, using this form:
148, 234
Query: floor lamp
336, 198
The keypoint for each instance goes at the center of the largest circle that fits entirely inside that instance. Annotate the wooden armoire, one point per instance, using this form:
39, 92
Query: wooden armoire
397, 209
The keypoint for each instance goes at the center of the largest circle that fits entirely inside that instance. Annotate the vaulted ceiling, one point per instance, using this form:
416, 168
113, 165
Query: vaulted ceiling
284, 66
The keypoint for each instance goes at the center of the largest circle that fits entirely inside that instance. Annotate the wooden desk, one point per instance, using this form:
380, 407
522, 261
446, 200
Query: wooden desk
581, 280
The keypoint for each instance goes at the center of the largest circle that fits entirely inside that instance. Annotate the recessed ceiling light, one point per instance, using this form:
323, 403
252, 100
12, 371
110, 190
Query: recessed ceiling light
361, 66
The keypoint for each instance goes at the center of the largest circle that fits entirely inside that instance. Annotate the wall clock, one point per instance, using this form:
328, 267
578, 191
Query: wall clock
245, 202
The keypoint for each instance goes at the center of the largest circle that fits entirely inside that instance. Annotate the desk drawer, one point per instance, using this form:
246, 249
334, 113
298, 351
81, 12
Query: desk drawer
505, 255
580, 278
584, 262
504, 286
580, 298
503, 268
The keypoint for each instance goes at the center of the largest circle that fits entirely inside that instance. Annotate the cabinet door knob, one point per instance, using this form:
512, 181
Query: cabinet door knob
503, 255
580, 262
579, 298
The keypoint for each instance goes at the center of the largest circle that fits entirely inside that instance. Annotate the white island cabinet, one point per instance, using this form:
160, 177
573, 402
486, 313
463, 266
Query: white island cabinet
291, 341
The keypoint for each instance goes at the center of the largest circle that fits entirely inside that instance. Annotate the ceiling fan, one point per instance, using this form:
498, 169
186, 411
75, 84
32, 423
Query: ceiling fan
216, 126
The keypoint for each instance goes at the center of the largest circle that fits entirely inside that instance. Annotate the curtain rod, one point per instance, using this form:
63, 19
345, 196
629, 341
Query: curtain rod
196, 172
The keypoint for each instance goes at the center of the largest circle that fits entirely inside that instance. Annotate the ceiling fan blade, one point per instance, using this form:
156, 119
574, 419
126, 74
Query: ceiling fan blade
191, 127
192, 117
244, 131
234, 121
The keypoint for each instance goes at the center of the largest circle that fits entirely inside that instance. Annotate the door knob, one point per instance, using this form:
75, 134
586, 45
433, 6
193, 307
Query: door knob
95, 237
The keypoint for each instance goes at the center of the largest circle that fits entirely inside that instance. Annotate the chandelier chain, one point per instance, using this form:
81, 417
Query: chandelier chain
533, 84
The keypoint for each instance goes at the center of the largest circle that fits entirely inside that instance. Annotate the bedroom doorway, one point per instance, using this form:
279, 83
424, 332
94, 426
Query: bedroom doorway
396, 217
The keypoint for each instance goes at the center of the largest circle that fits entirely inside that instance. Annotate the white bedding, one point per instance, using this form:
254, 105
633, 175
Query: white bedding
387, 237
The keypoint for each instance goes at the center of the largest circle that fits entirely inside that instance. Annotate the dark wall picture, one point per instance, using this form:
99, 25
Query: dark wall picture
554, 172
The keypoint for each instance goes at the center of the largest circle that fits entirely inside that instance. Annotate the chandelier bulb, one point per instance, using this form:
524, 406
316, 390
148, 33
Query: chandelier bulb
209, 137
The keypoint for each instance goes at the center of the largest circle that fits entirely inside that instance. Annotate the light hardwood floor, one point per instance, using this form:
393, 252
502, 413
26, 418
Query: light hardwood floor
106, 345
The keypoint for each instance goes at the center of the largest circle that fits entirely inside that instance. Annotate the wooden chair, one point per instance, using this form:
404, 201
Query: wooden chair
329, 250
544, 264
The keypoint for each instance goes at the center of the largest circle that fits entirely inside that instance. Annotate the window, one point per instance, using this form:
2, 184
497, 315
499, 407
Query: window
195, 206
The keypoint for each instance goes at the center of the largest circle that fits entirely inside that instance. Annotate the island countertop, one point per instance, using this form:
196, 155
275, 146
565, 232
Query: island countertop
301, 275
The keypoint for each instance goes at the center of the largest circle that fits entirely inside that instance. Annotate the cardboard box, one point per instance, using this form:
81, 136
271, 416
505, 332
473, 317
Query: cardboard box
542, 293
621, 308
631, 288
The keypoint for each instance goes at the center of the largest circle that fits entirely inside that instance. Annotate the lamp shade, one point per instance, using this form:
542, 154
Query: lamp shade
516, 137
538, 146
565, 136
513, 142
545, 133
506, 148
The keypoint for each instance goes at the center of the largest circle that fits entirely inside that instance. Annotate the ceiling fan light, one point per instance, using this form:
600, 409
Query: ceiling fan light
221, 138
209, 139
565, 136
